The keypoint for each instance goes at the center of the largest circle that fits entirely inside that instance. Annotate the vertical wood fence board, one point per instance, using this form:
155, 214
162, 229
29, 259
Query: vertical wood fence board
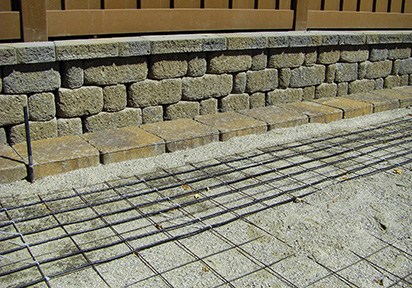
34, 20
243, 4
148, 4
301, 15
396, 6
267, 4
187, 3
285, 4
10, 25
120, 4
5, 5
408, 6
382, 5
332, 5
314, 4
217, 4
349, 5
54, 5
366, 5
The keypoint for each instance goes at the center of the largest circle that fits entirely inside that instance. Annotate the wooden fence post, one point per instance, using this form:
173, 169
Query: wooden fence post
33, 20
301, 15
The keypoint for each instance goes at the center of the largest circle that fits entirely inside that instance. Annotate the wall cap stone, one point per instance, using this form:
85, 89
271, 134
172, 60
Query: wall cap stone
85, 49
7, 55
35, 52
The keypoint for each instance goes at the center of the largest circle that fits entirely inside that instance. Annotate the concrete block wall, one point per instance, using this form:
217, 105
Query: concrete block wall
78, 86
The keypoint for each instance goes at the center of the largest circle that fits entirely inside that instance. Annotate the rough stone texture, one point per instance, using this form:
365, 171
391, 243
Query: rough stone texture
3, 137
84, 101
168, 66
239, 83
261, 81
331, 73
132, 46
276, 39
229, 62
378, 69
153, 93
392, 81
379, 103
404, 97
114, 98
399, 52
354, 53
360, 86
308, 93
152, 114
183, 134
286, 58
259, 60
31, 78
42, 107
257, 100
38, 131
196, 64
85, 49
234, 102
125, 144
208, 106
374, 37
379, 83
35, 52
1, 82
343, 89
284, 96
11, 109
60, 155
231, 124
405, 67
396, 66
284, 77
243, 41
11, 167
72, 74
378, 53
317, 113
346, 72
206, 87
69, 126
351, 108
325, 90
277, 117
307, 76
362, 70
105, 120
328, 54
182, 109
115, 71
304, 39
7, 55
404, 80
311, 55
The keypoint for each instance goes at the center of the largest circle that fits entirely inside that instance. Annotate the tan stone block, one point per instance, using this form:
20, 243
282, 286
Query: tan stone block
60, 155
12, 167
277, 117
183, 134
404, 98
351, 108
316, 112
124, 144
379, 103
232, 124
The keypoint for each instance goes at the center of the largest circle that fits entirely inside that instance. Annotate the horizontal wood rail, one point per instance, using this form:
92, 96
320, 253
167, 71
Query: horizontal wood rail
38, 20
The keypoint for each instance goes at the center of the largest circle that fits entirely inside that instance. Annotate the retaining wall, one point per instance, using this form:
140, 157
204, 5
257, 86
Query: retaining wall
78, 86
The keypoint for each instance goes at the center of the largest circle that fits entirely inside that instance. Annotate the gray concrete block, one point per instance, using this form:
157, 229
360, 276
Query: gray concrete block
360, 86
196, 64
405, 66
353, 54
83, 101
112, 120
42, 107
11, 109
257, 100
286, 58
239, 83
132, 46
85, 49
259, 60
38, 131
152, 114
326, 90
261, 81
69, 126
229, 62
182, 109
307, 76
35, 52
207, 86
234, 102
378, 69
153, 93
114, 98
328, 54
284, 96
208, 106
243, 41
72, 74
7, 55
346, 72
168, 66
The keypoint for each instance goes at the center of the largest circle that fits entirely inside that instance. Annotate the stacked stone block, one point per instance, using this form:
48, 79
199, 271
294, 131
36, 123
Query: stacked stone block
80, 86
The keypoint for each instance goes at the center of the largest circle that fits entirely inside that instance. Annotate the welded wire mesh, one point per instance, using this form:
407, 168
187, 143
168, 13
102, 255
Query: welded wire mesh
147, 226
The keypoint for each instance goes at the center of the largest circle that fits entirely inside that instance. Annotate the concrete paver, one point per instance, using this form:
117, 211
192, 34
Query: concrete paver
12, 167
404, 97
128, 143
351, 108
277, 117
380, 103
183, 134
232, 124
317, 113
60, 155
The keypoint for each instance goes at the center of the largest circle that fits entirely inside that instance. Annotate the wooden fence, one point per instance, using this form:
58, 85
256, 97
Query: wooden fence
38, 20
